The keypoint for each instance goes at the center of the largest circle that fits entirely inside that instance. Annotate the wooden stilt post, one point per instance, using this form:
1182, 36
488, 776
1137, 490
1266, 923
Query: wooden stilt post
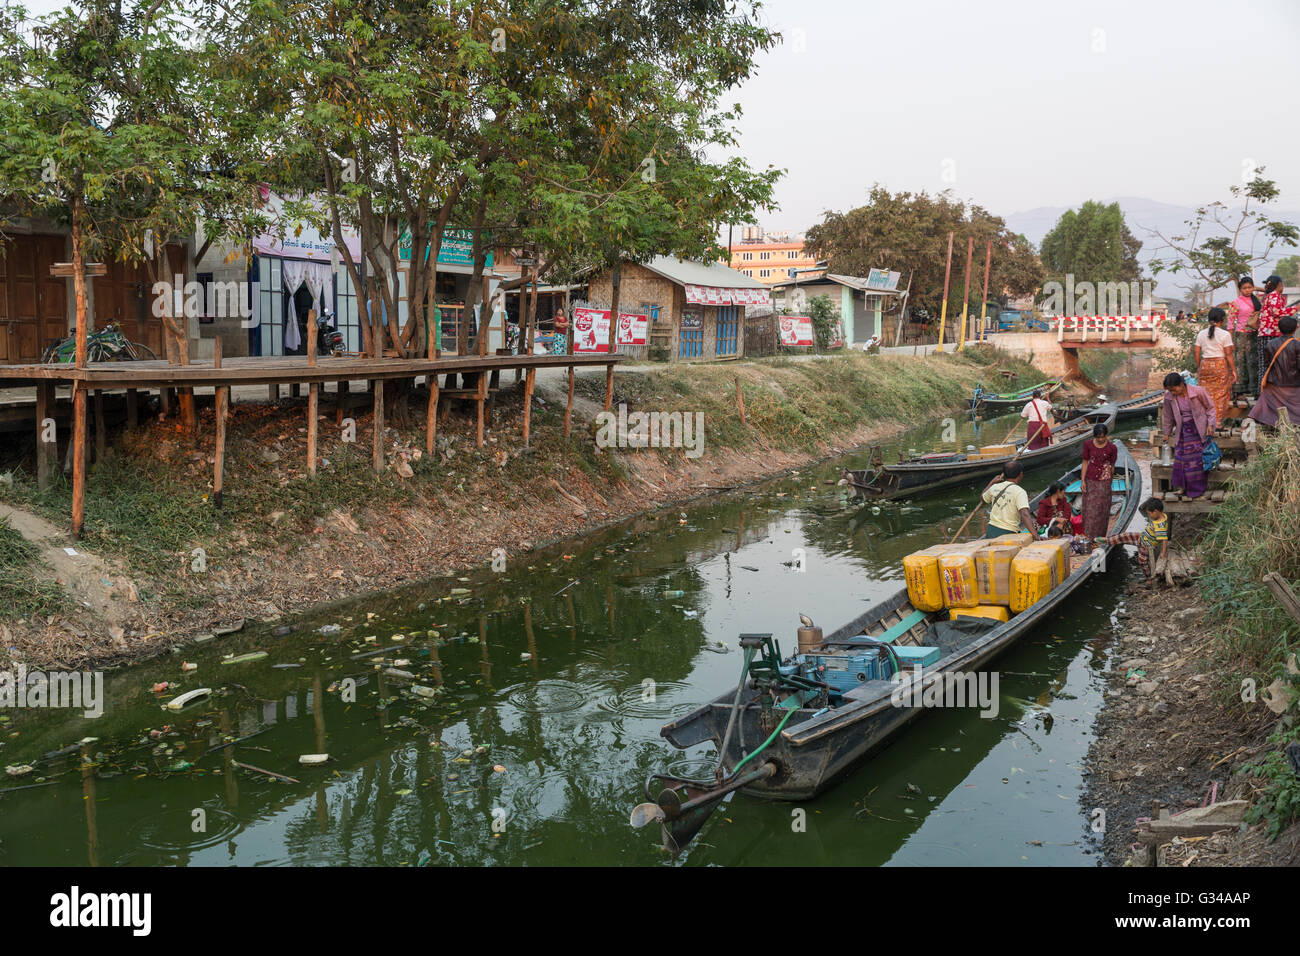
221, 403
740, 401
609, 386
165, 402
530, 379
482, 398
273, 393
568, 409
78, 458
344, 388
132, 408
431, 420
313, 395
377, 452
45, 449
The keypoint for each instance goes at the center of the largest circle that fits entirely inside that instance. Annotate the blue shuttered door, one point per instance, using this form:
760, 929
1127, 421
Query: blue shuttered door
728, 324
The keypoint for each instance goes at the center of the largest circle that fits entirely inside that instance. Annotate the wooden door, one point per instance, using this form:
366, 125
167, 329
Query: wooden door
33, 304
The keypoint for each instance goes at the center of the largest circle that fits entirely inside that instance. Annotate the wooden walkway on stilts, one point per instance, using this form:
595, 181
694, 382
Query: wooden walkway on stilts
89, 382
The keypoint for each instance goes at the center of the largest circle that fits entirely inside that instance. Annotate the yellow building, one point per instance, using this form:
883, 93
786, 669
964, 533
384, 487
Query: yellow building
771, 258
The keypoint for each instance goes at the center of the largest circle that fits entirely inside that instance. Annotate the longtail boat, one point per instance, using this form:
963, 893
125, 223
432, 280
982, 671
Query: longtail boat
929, 472
983, 401
786, 733
1143, 406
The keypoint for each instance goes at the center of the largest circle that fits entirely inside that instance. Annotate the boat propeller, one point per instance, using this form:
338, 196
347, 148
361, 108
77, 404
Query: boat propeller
683, 806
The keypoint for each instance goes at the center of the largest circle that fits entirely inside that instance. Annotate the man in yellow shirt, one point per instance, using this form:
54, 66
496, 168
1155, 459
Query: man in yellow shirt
1008, 503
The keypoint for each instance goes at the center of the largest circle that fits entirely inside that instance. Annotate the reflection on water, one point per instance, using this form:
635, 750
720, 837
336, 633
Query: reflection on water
514, 720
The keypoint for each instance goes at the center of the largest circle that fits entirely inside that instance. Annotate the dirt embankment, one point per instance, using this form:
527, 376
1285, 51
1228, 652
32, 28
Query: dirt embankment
165, 565
1198, 707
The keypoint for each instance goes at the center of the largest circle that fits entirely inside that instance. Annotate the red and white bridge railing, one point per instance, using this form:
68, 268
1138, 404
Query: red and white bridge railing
1104, 327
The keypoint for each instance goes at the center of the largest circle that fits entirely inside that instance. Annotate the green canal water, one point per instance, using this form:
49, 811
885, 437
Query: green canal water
543, 671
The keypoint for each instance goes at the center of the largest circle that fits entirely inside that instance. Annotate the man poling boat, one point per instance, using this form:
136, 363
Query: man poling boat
983, 401
795, 724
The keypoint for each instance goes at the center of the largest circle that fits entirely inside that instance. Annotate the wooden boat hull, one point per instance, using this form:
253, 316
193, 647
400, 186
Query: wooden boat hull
1143, 406
816, 748
912, 478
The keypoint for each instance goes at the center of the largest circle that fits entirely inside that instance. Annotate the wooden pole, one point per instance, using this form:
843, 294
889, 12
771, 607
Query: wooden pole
78, 458
377, 450
984, 300
431, 420
132, 408
221, 403
965, 295
482, 398
943, 312
529, 380
740, 401
568, 409
313, 395
609, 386
45, 450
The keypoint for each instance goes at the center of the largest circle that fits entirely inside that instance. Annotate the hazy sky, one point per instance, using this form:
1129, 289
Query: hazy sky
1016, 104
1024, 104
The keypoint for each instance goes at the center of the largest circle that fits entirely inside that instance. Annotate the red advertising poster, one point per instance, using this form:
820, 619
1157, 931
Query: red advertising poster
591, 330
796, 330
632, 329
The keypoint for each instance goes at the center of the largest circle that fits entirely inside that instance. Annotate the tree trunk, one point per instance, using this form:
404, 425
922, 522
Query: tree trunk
616, 283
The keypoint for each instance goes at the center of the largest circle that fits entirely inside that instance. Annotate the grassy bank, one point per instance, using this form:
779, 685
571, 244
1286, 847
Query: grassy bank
26, 588
1255, 533
285, 540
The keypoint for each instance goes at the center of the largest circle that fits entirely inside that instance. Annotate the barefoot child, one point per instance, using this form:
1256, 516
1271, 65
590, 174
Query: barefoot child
1154, 535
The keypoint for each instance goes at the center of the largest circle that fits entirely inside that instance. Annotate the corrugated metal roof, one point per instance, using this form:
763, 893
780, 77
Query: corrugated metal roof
712, 274
853, 282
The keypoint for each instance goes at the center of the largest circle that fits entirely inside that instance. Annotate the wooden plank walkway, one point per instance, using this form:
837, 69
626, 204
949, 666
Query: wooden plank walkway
280, 370
94, 378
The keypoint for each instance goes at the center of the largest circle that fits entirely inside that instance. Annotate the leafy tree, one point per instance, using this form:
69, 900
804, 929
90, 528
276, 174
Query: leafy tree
909, 232
1221, 242
1288, 268
98, 123
825, 317
1094, 244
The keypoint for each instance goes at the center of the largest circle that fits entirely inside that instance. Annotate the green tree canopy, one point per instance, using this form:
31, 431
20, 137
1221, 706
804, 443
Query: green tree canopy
908, 232
1093, 244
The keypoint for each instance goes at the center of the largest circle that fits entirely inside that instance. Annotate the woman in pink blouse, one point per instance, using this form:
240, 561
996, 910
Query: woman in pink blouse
1243, 326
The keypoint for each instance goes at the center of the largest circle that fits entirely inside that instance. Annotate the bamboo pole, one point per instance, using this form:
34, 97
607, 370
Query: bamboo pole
943, 311
529, 381
740, 401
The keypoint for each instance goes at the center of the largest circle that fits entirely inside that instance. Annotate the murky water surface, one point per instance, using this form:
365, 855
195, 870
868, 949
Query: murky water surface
537, 734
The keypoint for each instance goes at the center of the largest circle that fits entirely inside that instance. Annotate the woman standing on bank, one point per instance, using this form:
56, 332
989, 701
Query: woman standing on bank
1187, 420
1099, 454
1273, 309
1244, 326
1216, 370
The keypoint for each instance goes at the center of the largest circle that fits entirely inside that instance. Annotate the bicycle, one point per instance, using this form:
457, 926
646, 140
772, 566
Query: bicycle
103, 345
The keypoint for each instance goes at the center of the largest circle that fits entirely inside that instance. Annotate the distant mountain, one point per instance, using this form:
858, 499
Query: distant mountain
1141, 215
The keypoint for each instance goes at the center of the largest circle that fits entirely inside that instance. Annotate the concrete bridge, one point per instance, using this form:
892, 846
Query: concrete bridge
1057, 352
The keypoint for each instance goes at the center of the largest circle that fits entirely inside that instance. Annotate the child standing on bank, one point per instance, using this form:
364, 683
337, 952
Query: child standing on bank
1155, 536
